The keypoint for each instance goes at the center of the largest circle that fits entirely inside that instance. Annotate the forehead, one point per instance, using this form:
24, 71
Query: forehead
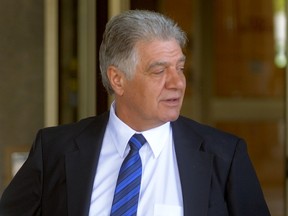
158, 49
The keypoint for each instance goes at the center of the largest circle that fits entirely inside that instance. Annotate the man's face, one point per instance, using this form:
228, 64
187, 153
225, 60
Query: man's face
155, 93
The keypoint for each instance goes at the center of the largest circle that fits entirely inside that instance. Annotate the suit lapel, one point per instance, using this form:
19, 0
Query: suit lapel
195, 169
81, 164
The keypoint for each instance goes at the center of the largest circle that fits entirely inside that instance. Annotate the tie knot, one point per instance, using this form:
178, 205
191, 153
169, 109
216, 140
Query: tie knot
137, 141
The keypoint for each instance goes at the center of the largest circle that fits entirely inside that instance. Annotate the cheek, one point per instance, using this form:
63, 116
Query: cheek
184, 82
146, 91
147, 100
152, 93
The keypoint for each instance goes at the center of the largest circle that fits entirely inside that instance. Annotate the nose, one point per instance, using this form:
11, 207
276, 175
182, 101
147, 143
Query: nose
175, 79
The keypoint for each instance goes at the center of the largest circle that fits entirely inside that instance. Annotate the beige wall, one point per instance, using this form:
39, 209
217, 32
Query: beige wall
21, 69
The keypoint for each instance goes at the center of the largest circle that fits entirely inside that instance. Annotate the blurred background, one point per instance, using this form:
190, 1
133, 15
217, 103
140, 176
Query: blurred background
236, 73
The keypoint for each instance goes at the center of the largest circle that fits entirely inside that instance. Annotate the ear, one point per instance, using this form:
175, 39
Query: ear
116, 78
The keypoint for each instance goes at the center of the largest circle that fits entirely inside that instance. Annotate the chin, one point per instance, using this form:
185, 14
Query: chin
173, 117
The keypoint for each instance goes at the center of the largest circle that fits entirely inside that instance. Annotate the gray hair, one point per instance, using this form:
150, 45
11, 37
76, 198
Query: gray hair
124, 31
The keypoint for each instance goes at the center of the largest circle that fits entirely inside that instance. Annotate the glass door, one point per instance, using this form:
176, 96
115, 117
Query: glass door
248, 85
236, 78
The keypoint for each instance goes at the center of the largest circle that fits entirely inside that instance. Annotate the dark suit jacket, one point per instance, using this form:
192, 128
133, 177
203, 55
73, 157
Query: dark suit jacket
216, 174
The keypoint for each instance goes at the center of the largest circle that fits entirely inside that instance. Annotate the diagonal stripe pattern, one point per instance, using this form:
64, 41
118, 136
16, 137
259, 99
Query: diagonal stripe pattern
127, 189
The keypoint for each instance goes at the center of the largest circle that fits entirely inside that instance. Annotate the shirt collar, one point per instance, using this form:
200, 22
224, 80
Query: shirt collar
121, 133
158, 137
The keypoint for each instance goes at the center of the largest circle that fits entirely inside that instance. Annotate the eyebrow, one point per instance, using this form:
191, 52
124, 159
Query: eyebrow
163, 63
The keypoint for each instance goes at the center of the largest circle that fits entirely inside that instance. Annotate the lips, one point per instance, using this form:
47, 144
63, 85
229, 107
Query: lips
172, 101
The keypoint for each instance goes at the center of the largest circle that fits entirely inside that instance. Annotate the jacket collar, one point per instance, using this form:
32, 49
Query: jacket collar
194, 164
195, 168
81, 164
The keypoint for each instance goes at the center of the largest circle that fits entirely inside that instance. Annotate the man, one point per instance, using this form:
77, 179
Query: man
183, 167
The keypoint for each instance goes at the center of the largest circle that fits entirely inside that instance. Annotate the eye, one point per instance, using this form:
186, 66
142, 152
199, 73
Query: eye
180, 69
158, 70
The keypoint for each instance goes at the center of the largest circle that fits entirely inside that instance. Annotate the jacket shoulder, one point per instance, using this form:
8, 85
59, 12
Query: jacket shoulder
213, 140
75, 128
204, 130
63, 136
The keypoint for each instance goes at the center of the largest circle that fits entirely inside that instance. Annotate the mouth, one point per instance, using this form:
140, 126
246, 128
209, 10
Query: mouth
172, 101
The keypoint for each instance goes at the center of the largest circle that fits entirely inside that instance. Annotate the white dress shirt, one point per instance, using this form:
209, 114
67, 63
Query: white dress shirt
160, 192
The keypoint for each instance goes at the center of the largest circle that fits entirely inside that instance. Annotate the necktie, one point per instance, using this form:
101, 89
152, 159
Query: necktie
127, 189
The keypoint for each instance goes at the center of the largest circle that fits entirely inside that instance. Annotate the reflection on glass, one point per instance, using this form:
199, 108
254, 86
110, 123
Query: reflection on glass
280, 33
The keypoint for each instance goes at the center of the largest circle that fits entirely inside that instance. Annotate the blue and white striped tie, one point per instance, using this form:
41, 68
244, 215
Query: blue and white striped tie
127, 189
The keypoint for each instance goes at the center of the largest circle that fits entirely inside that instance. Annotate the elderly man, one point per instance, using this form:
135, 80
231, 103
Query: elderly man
140, 158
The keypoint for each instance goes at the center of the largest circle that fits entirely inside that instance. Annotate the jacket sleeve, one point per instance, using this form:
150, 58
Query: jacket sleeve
23, 194
244, 194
